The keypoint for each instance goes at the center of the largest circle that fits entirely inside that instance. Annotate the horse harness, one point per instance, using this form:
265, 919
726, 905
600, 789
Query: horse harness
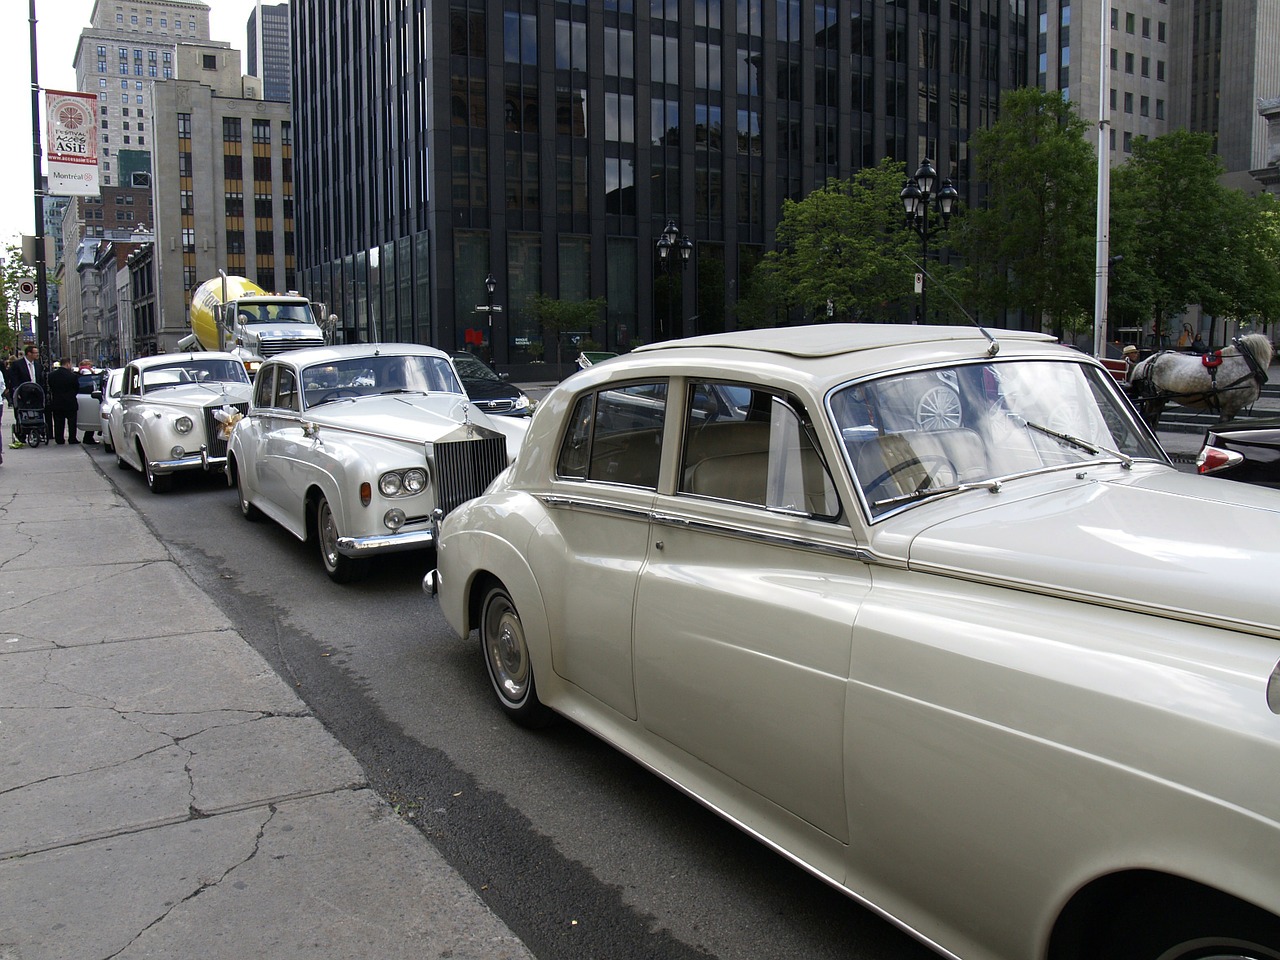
1144, 387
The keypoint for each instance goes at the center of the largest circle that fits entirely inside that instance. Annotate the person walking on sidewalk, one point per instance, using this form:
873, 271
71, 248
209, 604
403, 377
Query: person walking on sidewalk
25, 369
63, 387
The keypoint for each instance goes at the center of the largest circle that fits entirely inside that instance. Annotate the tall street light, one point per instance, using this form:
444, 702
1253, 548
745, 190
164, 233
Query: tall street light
917, 197
488, 309
672, 247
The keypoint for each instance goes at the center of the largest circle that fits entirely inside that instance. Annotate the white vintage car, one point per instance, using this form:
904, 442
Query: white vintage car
928, 612
362, 447
175, 412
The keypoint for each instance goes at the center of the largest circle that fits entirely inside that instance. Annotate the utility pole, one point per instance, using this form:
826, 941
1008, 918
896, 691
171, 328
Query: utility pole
42, 289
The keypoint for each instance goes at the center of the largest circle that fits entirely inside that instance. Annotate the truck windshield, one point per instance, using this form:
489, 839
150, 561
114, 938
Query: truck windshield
274, 313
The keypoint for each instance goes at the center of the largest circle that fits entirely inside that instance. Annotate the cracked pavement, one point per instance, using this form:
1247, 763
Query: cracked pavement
163, 793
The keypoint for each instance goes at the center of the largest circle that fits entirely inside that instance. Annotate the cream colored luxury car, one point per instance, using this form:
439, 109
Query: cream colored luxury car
925, 609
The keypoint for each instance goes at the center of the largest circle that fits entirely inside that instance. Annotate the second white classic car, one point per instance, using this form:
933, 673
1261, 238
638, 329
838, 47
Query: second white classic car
362, 447
174, 413
930, 613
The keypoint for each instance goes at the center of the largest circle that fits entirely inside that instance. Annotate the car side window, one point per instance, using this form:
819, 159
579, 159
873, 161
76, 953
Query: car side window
615, 436
132, 381
749, 445
286, 389
263, 386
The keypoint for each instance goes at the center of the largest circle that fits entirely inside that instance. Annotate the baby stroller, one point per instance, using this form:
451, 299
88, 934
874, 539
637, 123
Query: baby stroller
29, 425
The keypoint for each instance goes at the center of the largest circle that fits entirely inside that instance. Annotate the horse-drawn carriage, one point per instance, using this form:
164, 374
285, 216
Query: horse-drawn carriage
1222, 381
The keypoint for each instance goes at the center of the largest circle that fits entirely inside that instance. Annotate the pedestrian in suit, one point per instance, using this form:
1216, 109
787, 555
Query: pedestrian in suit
25, 369
63, 387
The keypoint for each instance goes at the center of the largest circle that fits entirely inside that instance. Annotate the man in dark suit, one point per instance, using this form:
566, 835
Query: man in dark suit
64, 384
25, 369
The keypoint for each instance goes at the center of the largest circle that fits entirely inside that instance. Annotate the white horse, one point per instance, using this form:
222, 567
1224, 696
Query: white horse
1223, 382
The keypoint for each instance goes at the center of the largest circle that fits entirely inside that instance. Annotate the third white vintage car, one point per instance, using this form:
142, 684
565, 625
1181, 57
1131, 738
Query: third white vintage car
174, 413
928, 612
357, 447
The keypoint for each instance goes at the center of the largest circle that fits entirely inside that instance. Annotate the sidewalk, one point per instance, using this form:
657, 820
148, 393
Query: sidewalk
163, 793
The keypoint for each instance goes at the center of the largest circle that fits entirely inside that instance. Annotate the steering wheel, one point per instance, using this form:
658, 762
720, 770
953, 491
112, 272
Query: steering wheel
338, 394
939, 471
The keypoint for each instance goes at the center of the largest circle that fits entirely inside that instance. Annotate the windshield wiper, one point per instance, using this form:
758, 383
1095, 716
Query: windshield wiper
1126, 461
400, 390
925, 491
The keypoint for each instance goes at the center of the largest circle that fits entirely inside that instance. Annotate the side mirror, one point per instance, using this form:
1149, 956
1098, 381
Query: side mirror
504, 376
97, 395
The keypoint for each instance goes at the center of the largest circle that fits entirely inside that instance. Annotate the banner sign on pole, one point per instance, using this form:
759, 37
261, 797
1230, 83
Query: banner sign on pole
71, 121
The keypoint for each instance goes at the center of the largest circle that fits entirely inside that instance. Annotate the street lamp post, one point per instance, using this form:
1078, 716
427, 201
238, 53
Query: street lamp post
917, 195
488, 308
672, 247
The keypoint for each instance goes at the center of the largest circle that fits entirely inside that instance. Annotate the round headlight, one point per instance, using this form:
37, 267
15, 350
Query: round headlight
415, 480
389, 485
393, 519
183, 424
177, 453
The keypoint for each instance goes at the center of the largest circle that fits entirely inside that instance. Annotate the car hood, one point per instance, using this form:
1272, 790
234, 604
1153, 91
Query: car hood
201, 395
491, 390
417, 418
1179, 545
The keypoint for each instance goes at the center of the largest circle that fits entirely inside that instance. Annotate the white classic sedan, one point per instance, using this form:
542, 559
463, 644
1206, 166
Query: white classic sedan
175, 413
926, 610
362, 448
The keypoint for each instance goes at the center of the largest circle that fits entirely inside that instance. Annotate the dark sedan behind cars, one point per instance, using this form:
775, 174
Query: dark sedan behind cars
1248, 451
490, 390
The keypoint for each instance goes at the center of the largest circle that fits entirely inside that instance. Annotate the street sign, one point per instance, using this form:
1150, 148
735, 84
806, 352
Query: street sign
26, 289
919, 283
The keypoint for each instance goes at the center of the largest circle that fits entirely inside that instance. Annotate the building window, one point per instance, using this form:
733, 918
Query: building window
209, 61
1160, 31
1159, 109
1129, 21
1128, 142
520, 38
1144, 106
1128, 63
1128, 103
1160, 70
1146, 66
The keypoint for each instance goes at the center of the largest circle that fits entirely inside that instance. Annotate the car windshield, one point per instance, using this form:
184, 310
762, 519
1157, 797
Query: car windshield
274, 312
472, 368
357, 377
195, 370
917, 434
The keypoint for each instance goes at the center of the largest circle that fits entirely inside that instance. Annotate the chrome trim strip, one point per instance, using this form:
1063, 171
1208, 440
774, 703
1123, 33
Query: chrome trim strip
385, 543
858, 554
590, 505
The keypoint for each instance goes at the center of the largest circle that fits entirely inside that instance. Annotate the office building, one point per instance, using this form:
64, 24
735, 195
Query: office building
222, 184
267, 49
548, 144
128, 45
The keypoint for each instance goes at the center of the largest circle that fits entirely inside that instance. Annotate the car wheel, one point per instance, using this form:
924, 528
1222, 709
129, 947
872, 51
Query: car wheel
340, 568
506, 657
156, 482
1177, 926
247, 509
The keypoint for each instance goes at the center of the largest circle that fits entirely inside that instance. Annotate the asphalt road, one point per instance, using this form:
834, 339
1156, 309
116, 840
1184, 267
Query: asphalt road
581, 852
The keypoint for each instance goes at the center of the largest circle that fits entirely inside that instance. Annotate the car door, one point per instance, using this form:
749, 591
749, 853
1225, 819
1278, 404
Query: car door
250, 437
285, 449
597, 535
745, 607
127, 416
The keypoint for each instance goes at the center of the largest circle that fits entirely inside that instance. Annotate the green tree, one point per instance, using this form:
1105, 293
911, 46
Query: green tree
15, 270
843, 245
1031, 245
564, 316
1186, 239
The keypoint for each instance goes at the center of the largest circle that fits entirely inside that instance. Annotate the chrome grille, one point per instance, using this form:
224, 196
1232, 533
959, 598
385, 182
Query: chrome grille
213, 429
270, 347
495, 406
465, 468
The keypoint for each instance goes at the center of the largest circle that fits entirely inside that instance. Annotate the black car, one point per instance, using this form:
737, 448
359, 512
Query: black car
1248, 450
489, 390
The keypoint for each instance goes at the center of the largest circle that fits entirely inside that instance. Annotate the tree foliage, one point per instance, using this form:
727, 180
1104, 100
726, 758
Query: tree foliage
1187, 239
843, 244
1030, 246
564, 316
15, 270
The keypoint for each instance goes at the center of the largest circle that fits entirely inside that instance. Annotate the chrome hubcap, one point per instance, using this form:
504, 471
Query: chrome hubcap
328, 535
507, 654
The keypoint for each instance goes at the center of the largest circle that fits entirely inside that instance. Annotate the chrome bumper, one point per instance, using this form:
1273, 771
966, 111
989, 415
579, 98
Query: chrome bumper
385, 543
431, 582
189, 462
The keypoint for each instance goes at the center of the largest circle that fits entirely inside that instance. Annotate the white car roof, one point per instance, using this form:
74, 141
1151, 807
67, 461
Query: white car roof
308, 355
162, 359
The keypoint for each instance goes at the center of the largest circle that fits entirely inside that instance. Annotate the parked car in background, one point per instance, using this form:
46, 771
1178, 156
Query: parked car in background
1247, 450
359, 448
89, 404
490, 390
112, 380
931, 614
175, 412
